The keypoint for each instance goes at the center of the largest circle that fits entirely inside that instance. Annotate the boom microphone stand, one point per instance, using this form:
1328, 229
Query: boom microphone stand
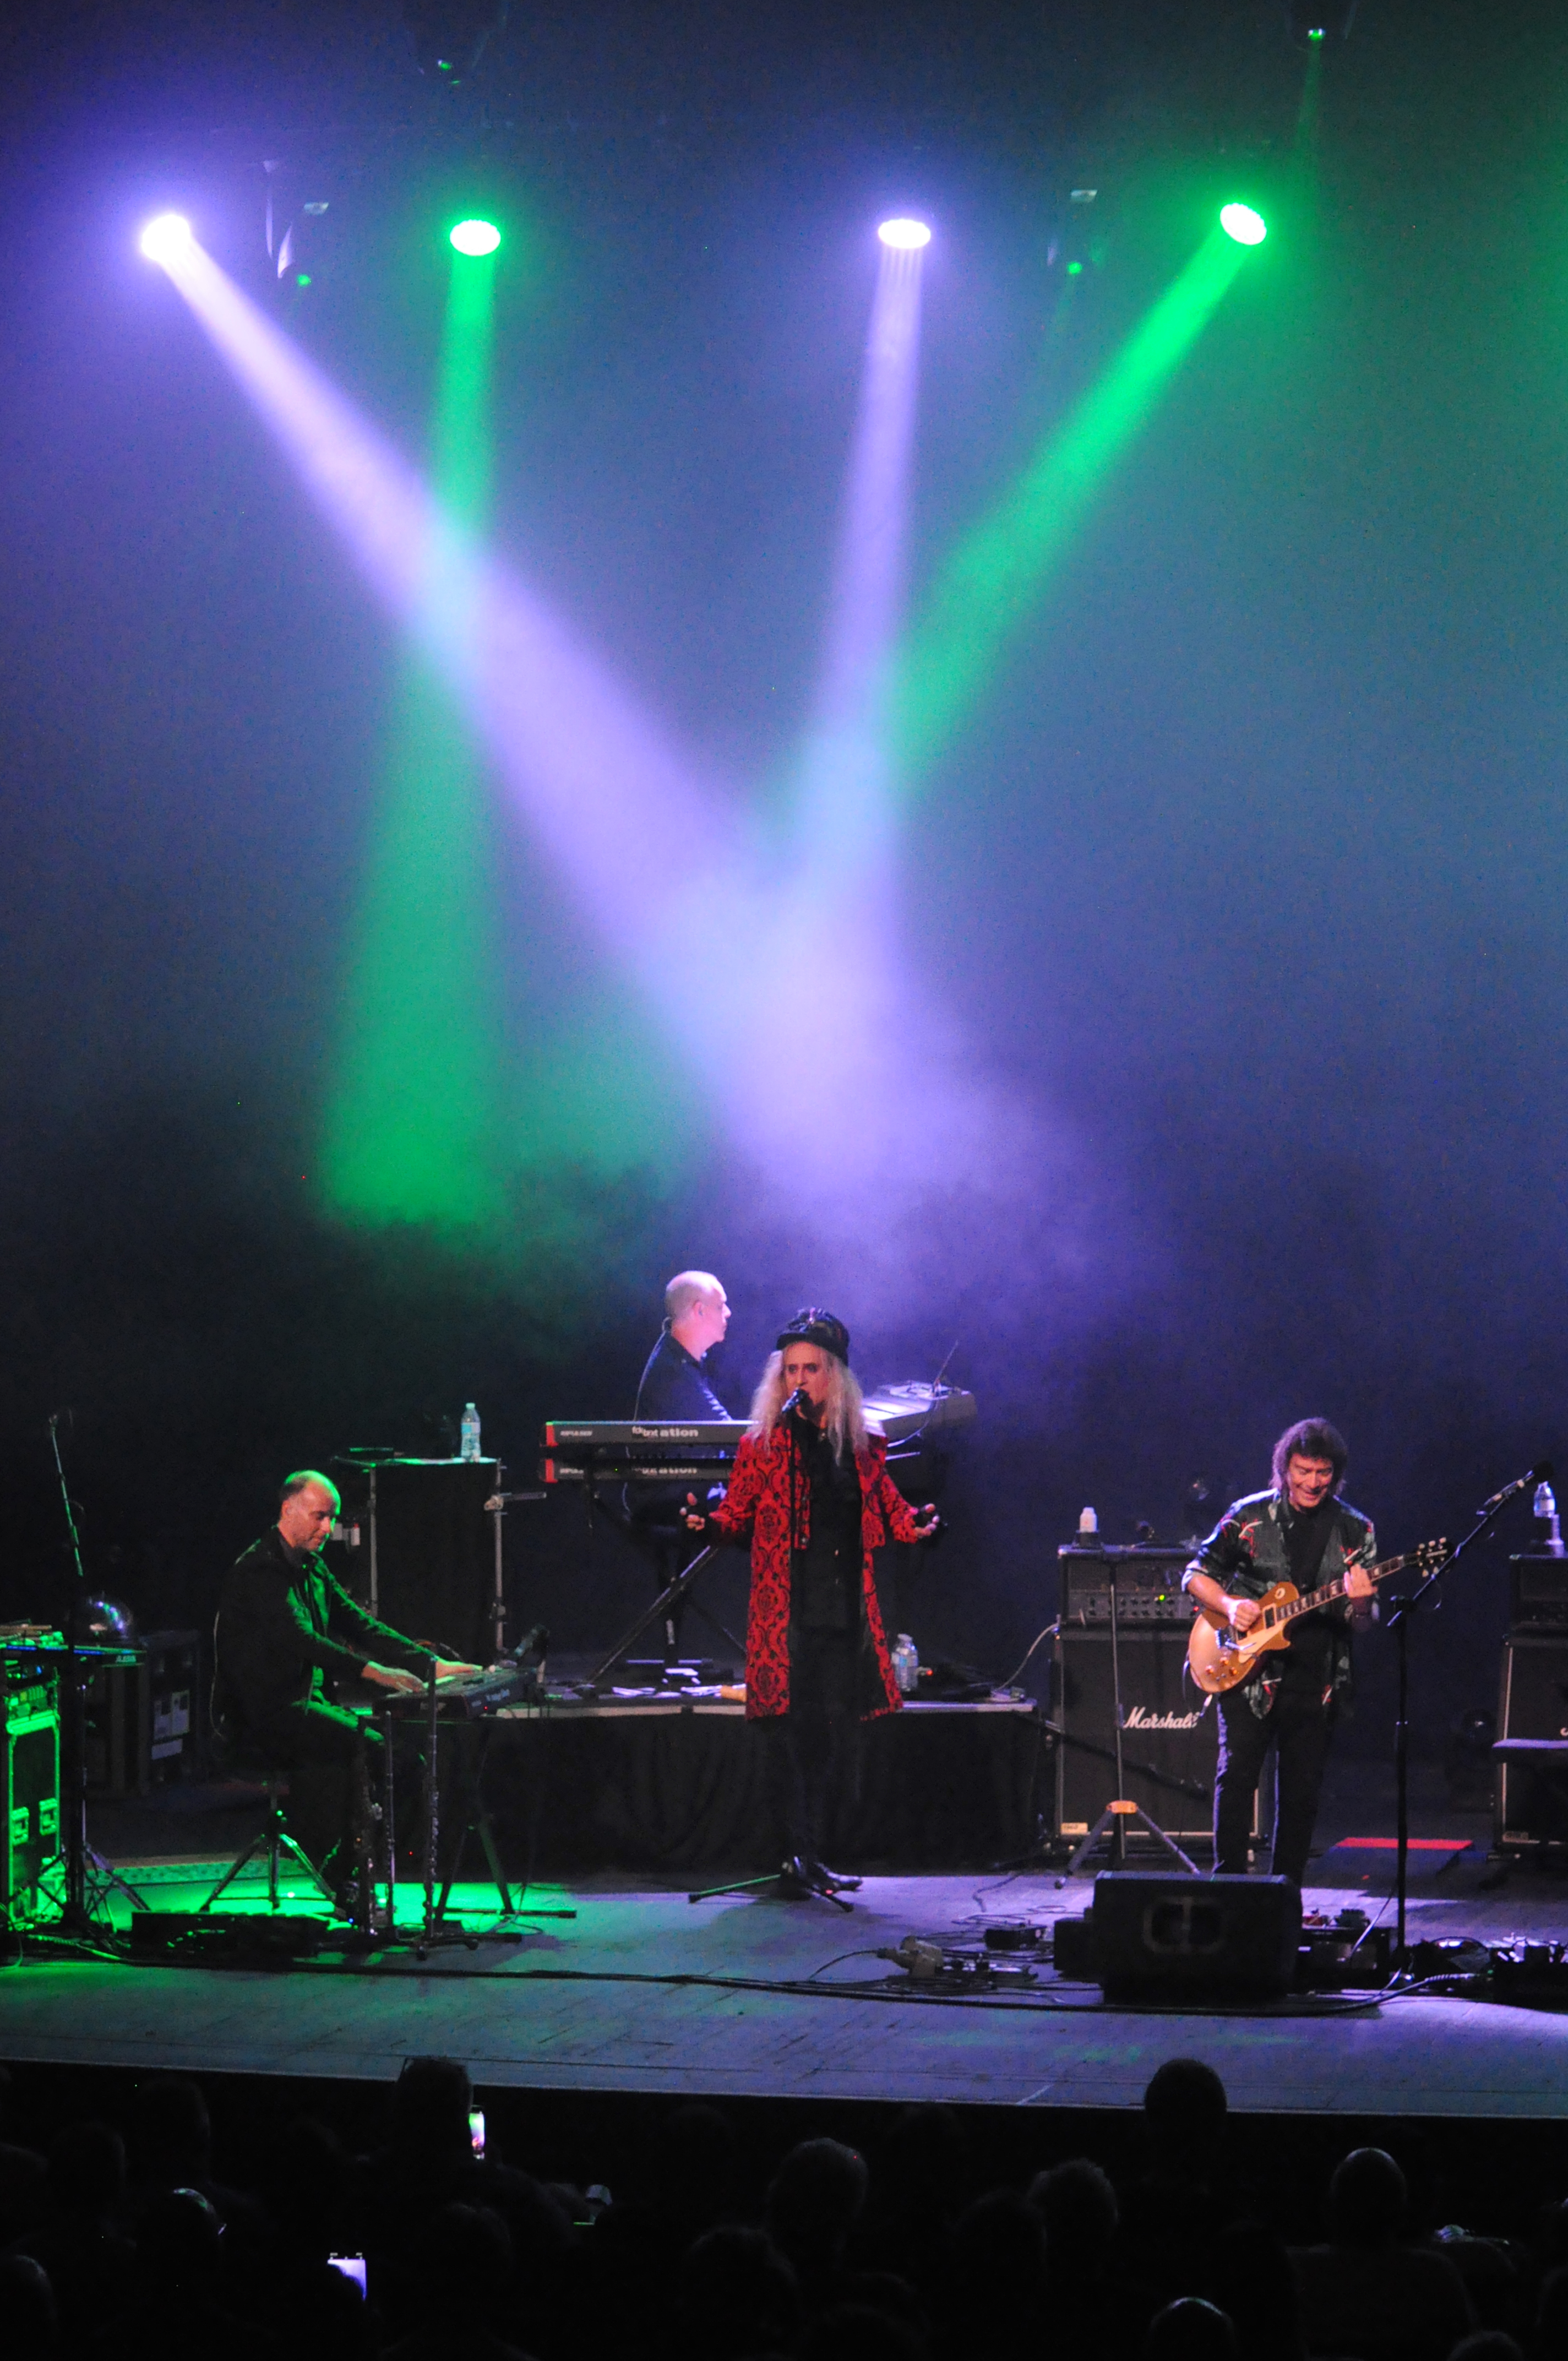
1399, 1621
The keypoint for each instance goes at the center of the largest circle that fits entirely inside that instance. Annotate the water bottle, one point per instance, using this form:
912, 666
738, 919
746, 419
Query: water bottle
469, 1447
1551, 1543
1088, 1525
905, 1664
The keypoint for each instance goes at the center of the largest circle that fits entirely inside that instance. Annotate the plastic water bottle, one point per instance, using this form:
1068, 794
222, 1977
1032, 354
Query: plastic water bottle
905, 1664
1551, 1543
1088, 1525
469, 1447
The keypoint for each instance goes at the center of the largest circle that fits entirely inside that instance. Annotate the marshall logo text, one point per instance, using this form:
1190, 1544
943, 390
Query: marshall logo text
1138, 1716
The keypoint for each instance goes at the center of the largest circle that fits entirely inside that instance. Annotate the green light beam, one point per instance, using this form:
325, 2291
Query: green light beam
992, 582
414, 1128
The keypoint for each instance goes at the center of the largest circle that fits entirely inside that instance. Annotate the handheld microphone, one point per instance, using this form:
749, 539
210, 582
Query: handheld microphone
1540, 1473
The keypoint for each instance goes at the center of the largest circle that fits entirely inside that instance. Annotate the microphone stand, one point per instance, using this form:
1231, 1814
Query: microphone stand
82, 1865
1399, 1622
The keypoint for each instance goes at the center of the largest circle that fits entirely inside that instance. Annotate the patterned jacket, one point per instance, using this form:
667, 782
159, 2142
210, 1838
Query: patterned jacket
758, 1503
1246, 1555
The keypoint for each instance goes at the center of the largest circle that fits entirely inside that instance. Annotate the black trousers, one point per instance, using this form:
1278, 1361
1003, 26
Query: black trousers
1297, 1727
320, 1747
816, 1743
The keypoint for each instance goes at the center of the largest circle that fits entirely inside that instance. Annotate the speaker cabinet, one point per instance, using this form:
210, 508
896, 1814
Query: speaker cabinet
1168, 1740
29, 1793
428, 1561
1533, 1702
1215, 1938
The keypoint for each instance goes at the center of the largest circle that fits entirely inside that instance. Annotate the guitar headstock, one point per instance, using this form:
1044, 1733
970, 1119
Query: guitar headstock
1428, 1554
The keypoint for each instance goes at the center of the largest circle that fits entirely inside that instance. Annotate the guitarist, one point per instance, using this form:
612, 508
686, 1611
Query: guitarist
1300, 1531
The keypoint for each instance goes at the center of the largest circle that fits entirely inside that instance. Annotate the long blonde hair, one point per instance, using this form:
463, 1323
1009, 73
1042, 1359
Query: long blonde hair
843, 1417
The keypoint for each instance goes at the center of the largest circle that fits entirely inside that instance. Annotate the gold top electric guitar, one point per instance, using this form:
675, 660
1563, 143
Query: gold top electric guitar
1219, 1658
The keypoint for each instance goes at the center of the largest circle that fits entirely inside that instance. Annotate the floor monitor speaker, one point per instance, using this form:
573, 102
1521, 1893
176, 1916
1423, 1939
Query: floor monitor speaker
1198, 1938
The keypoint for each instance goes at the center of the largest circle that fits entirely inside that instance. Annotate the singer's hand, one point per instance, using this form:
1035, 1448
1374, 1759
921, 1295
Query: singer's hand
933, 1524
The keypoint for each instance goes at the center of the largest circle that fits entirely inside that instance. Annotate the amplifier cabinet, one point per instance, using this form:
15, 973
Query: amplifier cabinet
1533, 1702
428, 1561
1148, 1585
29, 1792
1538, 1596
1170, 1731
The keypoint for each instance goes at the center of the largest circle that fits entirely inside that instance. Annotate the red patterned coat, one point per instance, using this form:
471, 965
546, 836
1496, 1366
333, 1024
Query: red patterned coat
759, 1499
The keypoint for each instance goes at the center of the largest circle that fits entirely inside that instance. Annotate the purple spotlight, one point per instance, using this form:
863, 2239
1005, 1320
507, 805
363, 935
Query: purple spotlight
165, 238
905, 236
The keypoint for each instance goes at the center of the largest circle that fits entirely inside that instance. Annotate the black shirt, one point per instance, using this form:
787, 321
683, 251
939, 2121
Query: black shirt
673, 1387
280, 1626
825, 1576
1306, 1536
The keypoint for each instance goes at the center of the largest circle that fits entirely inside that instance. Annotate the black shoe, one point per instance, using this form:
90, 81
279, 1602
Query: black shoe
831, 1881
796, 1880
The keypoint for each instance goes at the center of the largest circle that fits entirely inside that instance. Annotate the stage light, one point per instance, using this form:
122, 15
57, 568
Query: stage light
1320, 20
1240, 221
475, 238
165, 238
908, 235
451, 37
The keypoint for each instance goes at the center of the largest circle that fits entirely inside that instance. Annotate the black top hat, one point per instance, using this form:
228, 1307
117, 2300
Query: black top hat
815, 1327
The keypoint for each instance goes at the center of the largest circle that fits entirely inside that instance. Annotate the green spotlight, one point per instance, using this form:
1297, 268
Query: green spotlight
1240, 221
992, 582
475, 238
1315, 33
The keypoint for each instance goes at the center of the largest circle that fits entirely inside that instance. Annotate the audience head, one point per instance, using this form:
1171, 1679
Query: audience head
1261, 2294
430, 2104
27, 2309
738, 2296
1552, 2313
1184, 2112
859, 2332
1077, 2206
1486, 2345
467, 2252
996, 2264
698, 2166
171, 2132
1367, 2199
181, 2234
86, 2169
1189, 2329
818, 2195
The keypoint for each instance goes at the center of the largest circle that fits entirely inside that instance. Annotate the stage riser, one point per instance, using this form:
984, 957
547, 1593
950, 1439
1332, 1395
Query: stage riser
692, 1794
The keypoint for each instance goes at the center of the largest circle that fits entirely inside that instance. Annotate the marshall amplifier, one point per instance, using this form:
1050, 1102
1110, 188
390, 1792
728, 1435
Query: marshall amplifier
1538, 1593
1533, 1703
1170, 1731
1148, 1586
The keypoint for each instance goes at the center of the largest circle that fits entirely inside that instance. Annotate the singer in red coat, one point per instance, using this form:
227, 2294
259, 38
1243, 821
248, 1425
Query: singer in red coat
812, 1493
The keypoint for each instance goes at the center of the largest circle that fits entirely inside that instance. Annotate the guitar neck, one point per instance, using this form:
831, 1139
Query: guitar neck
1336, 1589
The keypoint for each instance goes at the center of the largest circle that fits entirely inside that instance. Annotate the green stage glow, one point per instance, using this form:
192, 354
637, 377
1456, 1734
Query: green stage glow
476, 238
1240, 221
414, 1125
991, 585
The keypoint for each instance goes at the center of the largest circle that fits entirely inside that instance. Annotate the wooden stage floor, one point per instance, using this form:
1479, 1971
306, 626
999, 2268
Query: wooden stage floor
644, 1992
